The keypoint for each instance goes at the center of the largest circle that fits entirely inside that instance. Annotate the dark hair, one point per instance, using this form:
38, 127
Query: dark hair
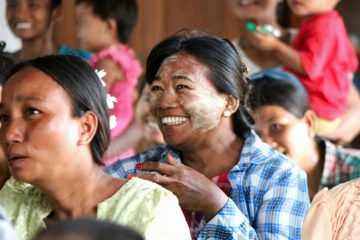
55, 3
221, 58
6, 62
125, 13
89, 229
283, 14
83, 86
279, 88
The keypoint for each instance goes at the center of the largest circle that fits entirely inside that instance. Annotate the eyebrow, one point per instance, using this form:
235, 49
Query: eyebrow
180, 77
23, 99
176, 77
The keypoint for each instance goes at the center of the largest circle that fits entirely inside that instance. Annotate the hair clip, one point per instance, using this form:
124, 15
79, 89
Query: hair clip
244, 68
110, 100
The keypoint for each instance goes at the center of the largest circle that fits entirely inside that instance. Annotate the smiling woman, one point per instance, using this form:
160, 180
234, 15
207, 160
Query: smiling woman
229, 183
285, 121
55, 129
32, 21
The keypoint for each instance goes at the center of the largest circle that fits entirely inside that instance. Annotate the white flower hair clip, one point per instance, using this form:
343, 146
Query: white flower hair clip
110, 100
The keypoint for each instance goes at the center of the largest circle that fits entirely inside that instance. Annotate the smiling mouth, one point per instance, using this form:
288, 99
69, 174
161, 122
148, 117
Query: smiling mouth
173, 120
247, 2
23, 25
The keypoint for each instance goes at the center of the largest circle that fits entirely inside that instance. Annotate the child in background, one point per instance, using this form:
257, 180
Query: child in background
144, 132
321, 56
32, 21
105, 27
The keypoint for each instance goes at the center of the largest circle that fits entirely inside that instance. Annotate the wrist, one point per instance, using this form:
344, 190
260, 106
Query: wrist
214, 205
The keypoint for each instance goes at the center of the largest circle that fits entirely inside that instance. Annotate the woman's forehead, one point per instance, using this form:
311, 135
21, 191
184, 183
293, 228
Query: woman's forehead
32, 81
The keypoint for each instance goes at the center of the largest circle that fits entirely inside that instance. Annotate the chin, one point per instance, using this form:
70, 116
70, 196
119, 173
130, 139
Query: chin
22, 176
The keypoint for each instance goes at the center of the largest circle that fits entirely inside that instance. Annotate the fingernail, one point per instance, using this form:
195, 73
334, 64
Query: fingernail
138, 166
130, 176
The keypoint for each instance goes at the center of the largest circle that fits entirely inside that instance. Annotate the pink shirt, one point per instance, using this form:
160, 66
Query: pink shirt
334, 214
122, 90
329, 59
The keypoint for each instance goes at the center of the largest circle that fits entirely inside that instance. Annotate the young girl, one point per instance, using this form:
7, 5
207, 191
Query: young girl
32, 21
105, 28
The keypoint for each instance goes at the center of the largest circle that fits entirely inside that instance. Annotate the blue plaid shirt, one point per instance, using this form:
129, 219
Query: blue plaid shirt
268, 200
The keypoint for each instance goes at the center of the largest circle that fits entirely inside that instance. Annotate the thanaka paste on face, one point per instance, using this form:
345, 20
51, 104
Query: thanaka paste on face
202, 103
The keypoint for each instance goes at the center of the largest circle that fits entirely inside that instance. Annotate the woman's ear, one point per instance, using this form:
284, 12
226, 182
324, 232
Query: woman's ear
112, 26
232, 105
88, 127
57, 14
309, 118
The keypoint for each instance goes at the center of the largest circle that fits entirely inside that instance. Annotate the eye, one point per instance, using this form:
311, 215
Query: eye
31, 112
275, 127
4, 118
11, 6
181, 86
33, 5
155, 88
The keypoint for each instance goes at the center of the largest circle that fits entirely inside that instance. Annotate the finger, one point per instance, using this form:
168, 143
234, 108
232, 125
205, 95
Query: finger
170, 159
156, 178
163, 168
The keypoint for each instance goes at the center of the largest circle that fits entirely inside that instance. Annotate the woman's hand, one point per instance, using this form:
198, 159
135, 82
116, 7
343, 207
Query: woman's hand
194, 191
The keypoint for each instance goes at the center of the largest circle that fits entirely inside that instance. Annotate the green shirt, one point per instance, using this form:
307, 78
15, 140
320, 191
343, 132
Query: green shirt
145, 206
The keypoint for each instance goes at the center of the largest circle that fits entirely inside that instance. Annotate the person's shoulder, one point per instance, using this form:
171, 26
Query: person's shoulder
267, 162
138, 199
123, 167
148, 188
342, 153
261, 153
327, 19
15, 193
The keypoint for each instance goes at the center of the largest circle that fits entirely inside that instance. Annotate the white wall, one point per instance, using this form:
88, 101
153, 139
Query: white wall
12, 42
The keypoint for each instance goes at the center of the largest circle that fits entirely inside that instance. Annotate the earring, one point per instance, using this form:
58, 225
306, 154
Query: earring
227, 113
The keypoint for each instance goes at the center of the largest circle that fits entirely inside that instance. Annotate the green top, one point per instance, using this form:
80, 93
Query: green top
145, 206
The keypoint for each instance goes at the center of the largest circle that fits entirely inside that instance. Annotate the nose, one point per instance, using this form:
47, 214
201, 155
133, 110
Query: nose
168, 99
21, 12
12, 132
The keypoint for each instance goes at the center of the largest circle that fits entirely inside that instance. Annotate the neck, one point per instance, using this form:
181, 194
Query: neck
315, 168
215, 155
79, 195
36, 47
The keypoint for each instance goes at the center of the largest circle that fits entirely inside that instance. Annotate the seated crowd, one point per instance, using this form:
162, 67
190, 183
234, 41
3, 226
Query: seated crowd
204, 150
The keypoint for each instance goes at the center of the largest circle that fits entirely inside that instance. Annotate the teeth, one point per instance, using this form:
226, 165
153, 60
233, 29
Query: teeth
173, 120
23, 25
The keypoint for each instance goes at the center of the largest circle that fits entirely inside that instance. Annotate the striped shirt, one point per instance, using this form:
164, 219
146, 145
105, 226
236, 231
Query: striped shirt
268, 198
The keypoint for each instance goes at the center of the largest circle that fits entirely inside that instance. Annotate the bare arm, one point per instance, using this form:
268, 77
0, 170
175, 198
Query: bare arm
284, 53
349, 125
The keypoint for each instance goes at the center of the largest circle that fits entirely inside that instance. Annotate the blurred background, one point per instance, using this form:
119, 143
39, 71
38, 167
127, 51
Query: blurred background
160, 18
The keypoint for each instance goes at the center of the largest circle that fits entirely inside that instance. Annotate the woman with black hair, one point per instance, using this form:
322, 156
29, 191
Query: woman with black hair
229, 183
54, 132
284, 120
